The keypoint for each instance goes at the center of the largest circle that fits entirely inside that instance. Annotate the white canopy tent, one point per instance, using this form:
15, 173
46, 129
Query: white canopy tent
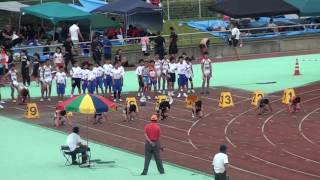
12, 6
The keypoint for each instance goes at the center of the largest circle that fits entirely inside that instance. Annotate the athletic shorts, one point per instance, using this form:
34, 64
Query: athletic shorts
107, 81
61, 88
172, 77
117, 86
91, 86
235, 42
190, 79
153, 82
182, 80
99, 82
84, 85
76, 82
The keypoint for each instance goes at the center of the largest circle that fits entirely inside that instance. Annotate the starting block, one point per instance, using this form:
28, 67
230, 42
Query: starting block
287, 95
225, 100
32, 111
256, 96
132, 100
190, 100
160, 99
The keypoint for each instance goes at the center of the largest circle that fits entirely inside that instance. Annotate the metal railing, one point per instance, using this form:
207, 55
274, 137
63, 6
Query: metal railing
185, 39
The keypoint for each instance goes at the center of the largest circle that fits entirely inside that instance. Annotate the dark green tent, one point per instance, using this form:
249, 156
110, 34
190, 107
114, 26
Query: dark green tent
100, 21
306, 7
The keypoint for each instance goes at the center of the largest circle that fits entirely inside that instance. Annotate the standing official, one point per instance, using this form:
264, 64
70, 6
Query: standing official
220, 163
152, 145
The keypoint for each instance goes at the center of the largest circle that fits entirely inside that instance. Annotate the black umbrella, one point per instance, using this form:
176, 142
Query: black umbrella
253, 8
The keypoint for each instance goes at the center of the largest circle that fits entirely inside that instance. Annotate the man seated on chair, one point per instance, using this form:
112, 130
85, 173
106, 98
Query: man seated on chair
76, 146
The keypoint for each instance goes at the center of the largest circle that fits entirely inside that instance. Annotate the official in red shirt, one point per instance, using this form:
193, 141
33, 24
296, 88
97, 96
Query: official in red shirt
152, 146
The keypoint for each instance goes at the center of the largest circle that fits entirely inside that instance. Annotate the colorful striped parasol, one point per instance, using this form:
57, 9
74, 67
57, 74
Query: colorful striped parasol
87, 104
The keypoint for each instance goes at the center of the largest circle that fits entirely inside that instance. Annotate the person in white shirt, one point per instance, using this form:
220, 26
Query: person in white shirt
84, 77
99, 73
139, 76
75, 33
76, 73
171, 76
107, 76
13, 74
220, 164
61, 81
206, 72
76, 146
182, 79
117, 81
189, 75
47, 81
91, 80
158, 68
235, 37
58, 58
164, 68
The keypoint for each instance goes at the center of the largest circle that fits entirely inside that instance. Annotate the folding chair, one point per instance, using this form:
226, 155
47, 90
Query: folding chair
66, 154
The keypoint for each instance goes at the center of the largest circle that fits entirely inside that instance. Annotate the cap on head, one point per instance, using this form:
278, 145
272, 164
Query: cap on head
75, 130
154, 118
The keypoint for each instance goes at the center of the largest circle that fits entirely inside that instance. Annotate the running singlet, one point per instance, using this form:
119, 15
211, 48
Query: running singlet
145, 72
13, 75
98, 71
152, 72
157, 66
85, 74
107, 69
117, 73
188, 71
165, 66
206, 66
47, 73
61, 77
76, 72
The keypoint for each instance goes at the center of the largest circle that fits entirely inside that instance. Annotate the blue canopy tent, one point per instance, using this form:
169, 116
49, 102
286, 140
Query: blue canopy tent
89, 5
136, 12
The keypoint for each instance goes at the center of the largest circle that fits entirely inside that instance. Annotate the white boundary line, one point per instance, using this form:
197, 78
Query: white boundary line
300, 126
171, 150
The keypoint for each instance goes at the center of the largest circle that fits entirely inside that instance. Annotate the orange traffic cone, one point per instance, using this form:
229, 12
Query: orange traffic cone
297, 68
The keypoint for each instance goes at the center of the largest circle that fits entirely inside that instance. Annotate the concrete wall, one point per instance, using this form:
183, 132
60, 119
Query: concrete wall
249, 47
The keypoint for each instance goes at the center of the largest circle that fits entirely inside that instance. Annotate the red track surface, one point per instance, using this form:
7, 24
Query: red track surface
278, 145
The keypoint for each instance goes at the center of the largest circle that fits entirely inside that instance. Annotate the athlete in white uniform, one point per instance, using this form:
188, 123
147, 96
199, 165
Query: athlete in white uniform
139, 76
182, 79
47, 81
158, 69
13, 74
61, 81
107, 76
206, 72
99, 73
76, 73
117, 81
164, 68
171, 76
84, 78
189, 75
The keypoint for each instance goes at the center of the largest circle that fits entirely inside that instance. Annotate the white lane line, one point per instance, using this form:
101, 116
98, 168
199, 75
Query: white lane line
283, 167
273, 144
168, 149
300, 126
